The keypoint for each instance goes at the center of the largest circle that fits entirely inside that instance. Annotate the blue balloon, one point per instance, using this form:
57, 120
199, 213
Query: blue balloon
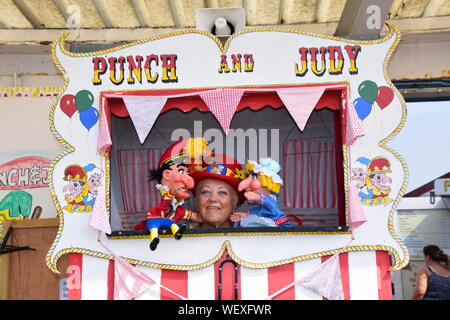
89, 117
362, 108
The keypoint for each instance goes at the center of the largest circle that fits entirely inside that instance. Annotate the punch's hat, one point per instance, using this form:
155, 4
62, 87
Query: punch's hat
379, 164
183, 151
75, 172
174, 154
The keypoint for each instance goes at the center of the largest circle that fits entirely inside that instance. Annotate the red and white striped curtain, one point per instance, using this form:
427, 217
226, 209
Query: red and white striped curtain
138, 192
309, 174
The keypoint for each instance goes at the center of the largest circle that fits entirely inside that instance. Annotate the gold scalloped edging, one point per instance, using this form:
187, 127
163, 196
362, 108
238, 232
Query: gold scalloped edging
398, 264
26, 92
227, 246
223, 48
392, 30
69, 149
243, 234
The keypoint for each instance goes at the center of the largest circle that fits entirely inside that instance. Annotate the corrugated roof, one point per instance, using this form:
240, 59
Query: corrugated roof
99, 14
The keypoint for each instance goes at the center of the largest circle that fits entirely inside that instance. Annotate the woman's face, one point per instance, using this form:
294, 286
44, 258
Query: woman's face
216, 200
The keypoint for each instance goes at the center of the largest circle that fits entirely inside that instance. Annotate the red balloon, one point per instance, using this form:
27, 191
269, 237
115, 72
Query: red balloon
384, 97
68, 105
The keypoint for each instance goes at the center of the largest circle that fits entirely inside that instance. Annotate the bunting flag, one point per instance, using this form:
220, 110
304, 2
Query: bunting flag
326, 280
355, 128
129, 281
143, 112
104, 135
355, 210
223, 104
300, 102
99, 216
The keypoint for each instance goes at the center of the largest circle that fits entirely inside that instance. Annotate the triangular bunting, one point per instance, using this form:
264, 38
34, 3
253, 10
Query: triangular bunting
326, 280
143, 112
355, 128
223, 104
356, 213
99, 216
300, 102
104, 134
129, 282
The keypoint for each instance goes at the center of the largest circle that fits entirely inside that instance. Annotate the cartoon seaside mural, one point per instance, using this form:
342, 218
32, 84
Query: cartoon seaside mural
371, 179
82, 188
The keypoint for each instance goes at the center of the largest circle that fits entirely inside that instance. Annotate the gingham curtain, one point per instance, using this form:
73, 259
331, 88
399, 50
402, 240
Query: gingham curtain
138, 193
309, 172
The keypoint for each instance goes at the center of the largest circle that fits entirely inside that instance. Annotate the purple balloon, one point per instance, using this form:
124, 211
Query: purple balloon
89, 117
362, 108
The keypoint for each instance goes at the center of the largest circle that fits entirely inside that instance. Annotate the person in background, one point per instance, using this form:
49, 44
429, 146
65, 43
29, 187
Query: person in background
433, 280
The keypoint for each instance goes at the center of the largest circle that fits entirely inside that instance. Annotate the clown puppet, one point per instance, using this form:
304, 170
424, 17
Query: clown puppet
174, 183
262, 186
76, 190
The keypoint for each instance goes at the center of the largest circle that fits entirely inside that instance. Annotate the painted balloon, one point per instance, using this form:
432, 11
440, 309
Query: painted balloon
68, 104
384, 97
89, 117
84, 100
362, 107
368, 90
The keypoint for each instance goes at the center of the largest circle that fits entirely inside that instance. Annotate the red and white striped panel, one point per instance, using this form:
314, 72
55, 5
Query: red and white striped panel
309, 174
138, 193
365, 276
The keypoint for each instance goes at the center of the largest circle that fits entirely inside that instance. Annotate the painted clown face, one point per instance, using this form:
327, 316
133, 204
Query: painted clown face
381, 180
178, 180
94, 182
74, 188
359, 177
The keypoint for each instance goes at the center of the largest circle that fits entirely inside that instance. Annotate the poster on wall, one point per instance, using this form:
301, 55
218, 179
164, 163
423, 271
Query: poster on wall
25, 157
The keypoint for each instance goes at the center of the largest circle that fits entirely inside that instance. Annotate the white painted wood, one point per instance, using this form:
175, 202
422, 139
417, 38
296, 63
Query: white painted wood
94, 278
254, 284
363, 275
201, 284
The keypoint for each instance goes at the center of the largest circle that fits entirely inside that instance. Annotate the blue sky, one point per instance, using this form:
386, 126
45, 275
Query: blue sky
424, 141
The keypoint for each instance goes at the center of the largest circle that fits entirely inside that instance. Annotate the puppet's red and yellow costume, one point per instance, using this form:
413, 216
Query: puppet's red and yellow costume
174, 182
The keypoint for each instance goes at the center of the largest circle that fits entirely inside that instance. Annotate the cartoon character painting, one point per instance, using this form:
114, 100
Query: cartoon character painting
94, 182
82, 187
371, 178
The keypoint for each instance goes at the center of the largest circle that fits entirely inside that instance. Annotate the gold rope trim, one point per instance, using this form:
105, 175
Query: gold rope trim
69, 149
398, 264
227, 246
52, 264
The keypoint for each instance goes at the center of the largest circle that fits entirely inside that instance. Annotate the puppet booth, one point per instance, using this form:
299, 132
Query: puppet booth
297, 123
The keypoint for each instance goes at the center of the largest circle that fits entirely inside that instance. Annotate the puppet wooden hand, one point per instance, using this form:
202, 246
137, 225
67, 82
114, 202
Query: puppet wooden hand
237, 216
252, 196
196, 217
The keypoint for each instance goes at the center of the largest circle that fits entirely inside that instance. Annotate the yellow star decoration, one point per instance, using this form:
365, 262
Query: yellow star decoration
240, 174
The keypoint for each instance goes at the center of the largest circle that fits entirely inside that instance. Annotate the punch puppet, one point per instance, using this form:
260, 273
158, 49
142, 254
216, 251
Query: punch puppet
262, 186
174, 183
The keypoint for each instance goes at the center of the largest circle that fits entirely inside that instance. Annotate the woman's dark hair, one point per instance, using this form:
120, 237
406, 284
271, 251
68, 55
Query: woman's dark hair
436, 254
